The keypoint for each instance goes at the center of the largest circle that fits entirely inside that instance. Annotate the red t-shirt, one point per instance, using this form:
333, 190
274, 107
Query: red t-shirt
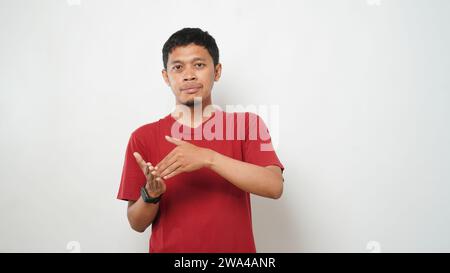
200, 211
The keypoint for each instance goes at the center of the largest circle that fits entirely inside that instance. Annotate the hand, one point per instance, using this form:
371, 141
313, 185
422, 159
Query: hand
186, 157
155, 185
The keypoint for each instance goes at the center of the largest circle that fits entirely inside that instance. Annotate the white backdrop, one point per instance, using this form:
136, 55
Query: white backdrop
363, 92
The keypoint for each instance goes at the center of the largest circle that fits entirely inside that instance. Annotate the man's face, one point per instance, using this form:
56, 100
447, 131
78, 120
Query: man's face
191, 73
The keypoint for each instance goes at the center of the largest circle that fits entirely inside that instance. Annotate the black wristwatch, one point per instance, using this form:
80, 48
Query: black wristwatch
147, 198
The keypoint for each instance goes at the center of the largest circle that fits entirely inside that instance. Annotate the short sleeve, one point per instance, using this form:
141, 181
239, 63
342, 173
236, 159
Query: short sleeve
132, 176
257, 146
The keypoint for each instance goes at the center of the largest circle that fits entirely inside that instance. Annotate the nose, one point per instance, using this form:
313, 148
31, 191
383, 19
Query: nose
189, 75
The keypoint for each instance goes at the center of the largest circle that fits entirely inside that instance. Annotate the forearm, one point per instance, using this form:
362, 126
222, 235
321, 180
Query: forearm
248, 177
141, 215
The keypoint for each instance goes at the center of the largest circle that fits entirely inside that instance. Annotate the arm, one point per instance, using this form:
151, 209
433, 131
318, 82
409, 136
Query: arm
141, 214
262, 181
186, 157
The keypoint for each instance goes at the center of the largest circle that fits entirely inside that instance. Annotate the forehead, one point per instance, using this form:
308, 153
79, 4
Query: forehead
189, 53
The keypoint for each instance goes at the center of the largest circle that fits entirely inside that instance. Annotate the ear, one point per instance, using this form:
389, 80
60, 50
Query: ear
217, 72
165, 76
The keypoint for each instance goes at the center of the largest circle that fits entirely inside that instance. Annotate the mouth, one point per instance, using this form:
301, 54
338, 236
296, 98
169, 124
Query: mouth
191, 89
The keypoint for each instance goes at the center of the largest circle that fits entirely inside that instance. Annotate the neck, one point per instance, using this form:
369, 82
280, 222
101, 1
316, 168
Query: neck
193, 115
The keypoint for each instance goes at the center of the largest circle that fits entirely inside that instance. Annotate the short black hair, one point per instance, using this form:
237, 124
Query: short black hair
188, 36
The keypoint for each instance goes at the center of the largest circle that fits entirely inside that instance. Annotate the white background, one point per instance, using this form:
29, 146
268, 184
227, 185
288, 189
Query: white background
362, 88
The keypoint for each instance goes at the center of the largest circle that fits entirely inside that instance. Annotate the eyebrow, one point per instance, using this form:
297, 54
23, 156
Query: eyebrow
193, 60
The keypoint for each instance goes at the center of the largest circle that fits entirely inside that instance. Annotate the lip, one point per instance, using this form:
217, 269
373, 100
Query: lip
191, 88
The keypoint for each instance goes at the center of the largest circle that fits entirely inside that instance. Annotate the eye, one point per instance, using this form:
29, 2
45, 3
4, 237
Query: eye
176, 67
199, 65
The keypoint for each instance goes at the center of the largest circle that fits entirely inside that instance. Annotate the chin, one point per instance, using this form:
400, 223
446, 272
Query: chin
192, 102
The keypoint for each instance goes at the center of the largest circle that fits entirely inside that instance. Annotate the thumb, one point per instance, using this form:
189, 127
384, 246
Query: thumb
140, 161
173, 140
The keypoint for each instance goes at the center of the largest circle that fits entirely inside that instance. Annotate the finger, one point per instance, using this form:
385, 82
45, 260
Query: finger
153, 184
170, 168
139, 160
175, 141
159, 185
161, 181
156, 185
153, 181
165, 165
162, 184
148, 168
172, 174
148, 171
165, 159
151, 174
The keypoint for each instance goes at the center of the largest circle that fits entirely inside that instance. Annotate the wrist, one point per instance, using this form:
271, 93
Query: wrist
210, 158
147, 198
